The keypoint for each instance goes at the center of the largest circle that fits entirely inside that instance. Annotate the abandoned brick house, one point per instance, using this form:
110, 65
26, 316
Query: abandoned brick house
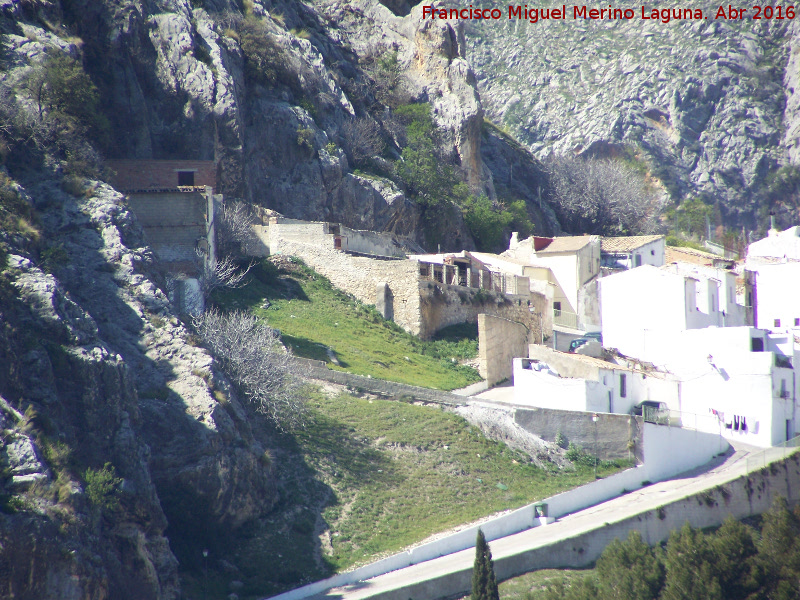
174, 202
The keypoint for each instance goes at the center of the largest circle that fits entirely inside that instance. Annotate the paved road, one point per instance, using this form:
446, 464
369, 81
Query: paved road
718, 472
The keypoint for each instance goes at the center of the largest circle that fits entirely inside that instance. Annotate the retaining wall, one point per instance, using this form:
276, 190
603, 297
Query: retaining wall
748, 495
613, 432
316, 369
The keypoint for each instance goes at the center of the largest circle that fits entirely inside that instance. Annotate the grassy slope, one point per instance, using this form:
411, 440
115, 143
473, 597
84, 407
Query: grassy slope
533, 586
380, 475
311, 314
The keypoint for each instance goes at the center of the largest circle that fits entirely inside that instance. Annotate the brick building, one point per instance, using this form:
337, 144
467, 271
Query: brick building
137, 175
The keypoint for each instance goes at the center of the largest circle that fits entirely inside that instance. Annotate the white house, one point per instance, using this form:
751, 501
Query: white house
628, 252
729, 313
656, 299
568, 262
778, 288
778, 244
557, 380
742, 376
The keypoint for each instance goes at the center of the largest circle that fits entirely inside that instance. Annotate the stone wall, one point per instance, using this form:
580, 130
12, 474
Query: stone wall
442, 305
160, 174
360, 276
499, 341
609, 436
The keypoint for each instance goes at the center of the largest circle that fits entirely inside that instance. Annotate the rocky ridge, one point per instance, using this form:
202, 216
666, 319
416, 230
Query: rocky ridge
709, 105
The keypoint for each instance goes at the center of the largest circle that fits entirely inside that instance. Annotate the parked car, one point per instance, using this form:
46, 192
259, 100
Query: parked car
577, 343
594, 335
652, 411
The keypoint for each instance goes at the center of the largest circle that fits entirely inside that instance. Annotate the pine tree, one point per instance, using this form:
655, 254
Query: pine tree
484, 583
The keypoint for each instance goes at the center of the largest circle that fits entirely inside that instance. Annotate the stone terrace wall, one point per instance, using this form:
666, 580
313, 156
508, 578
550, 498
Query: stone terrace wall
442, 305
360, 276
499, 341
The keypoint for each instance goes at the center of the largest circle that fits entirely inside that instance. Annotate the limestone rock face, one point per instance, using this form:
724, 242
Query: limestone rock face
711, 104
106, 376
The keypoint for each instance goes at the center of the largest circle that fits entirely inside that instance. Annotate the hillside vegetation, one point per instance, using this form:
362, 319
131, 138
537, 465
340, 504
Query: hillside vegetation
318, 321
368, 477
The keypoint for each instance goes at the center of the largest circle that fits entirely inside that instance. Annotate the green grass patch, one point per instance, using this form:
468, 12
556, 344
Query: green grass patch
533, 586
375, 476
313, 316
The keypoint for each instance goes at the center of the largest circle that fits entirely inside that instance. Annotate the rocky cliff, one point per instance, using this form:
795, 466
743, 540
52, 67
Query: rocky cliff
709, 105
177, 82
100, 377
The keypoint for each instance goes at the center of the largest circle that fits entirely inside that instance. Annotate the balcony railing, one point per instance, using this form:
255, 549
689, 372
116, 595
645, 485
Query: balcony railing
565, 319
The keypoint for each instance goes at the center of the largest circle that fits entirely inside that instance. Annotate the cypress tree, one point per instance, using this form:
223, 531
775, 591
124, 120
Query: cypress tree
484, 583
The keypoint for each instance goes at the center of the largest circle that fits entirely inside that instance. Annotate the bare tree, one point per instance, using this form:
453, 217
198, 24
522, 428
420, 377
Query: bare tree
233, 227
606, 197
252, 355
223, 273
362, 139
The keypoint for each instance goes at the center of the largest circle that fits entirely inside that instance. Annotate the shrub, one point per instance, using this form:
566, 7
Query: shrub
264, 60
63, 90
101, 487
603, 197
305, 138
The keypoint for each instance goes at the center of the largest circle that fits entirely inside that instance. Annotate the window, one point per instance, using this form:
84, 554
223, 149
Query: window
757, 344
557, 309
784, 393
185, 177
652, 252
797, 322
623, 391
776, 323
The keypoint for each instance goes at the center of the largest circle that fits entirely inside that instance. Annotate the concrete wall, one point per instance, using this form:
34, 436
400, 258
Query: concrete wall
499, 341
160, 174
173, 223
370, 242
614, 432
589, 306
565, 364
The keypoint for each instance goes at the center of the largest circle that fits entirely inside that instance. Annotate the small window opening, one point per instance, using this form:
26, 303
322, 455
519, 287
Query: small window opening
185, 178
